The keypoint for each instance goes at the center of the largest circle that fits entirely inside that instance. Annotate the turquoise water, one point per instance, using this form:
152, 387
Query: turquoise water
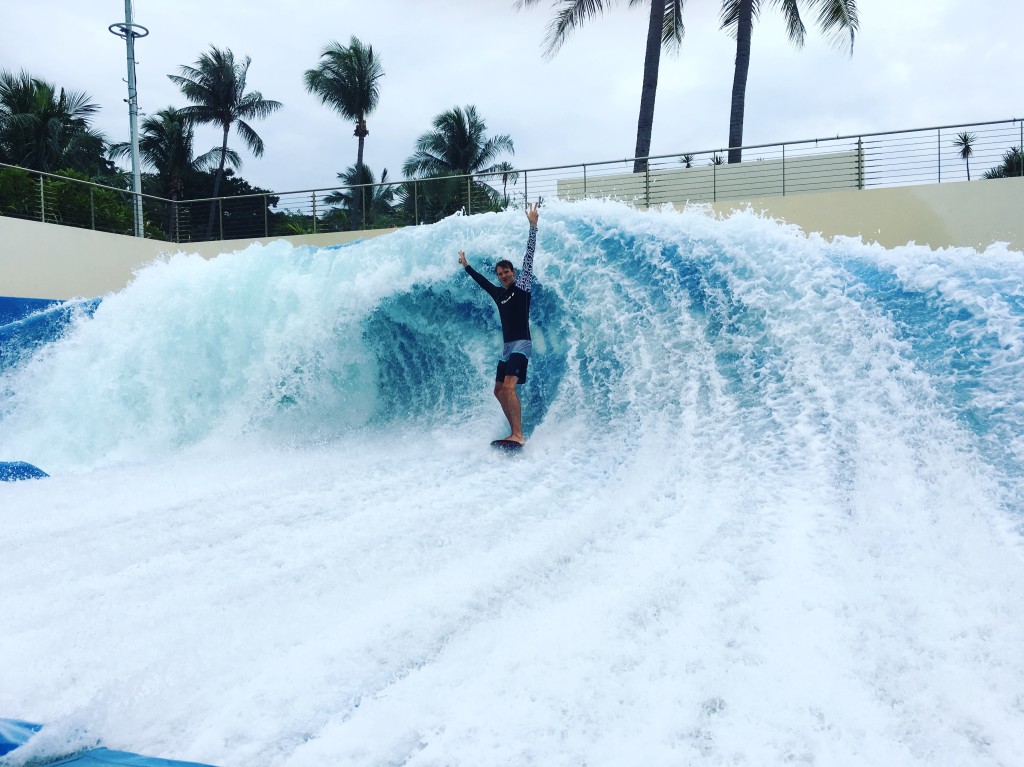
769, 510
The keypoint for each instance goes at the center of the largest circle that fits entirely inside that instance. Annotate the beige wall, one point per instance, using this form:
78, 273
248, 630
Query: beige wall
963, 214
49, 261
743, 181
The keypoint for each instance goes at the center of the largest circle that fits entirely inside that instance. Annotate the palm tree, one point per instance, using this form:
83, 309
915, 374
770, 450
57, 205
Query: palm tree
836, 18
347, 80
664, 29
1012, 164
166, 140
457, 146
964, 141
216, 88
508, 175
364, 205
46, 130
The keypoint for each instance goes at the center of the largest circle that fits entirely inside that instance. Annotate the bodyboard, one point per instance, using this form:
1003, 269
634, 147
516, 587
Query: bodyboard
508, 445
12, 471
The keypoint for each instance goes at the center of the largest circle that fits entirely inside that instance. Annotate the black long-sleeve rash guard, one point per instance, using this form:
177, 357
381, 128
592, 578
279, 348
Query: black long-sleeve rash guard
513, 303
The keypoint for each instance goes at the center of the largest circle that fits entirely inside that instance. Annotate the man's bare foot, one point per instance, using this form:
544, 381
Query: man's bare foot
513, 438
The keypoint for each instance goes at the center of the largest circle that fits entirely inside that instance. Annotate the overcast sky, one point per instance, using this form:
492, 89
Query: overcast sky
916, 63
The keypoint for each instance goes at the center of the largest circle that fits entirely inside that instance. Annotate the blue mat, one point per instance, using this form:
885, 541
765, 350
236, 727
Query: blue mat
14, 733
12, 471
103, 756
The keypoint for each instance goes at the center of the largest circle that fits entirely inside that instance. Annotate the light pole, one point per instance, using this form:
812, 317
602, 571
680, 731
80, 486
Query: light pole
129, 31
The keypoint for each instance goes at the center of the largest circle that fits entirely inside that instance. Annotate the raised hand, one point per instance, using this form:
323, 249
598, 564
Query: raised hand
532, 214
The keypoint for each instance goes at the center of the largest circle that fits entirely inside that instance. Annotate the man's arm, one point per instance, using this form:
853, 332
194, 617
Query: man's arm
524, 280
483, 282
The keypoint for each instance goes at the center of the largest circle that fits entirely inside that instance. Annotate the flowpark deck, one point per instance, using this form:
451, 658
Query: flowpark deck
15, 733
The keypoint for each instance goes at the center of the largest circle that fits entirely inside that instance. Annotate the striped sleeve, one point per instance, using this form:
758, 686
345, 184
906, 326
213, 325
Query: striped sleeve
524, 280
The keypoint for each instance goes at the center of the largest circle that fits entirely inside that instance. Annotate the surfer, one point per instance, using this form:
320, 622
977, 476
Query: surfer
513, 301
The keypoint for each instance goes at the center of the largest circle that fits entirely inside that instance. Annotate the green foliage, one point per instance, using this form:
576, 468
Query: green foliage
1011, 166
457, 145
46, 129
166, 144
365, 203
243, 211
19, 194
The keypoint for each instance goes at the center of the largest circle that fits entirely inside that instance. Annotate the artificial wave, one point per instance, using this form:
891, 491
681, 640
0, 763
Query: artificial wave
770, 509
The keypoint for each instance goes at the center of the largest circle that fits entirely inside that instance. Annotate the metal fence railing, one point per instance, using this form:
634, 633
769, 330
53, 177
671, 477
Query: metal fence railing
894, 158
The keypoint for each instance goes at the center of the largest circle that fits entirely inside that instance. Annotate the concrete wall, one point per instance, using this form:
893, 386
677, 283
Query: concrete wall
799, 174
48, 261
964, 214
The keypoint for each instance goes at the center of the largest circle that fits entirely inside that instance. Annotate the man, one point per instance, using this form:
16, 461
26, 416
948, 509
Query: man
513, 301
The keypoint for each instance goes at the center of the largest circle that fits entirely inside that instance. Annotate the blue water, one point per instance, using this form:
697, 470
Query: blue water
769, 510
305, 345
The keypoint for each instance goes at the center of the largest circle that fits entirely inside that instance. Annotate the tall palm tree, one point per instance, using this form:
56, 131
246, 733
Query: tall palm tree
964, 141
44, 129
216, 88
664, 29
347, 79
836, 18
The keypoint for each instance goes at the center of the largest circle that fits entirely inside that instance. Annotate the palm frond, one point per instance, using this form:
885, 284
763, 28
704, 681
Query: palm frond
838, 19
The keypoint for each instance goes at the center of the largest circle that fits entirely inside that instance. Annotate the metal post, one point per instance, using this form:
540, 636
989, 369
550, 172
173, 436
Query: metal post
415, 202
92, 208
714, 179
647, 183
266, 216
220, 216
526, 187
42, 199
860, 163
938, 149
469, 196
783, 170
129, 31
584, 181
314, 212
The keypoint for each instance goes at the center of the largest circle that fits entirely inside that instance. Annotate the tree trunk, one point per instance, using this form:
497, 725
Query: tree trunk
360, 212
216, 182
652, 60
744, 29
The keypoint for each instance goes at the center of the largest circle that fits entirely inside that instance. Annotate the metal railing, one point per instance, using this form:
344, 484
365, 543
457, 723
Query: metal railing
893, 158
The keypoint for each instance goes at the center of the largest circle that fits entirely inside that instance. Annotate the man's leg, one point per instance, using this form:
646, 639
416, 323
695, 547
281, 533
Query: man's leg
505, 391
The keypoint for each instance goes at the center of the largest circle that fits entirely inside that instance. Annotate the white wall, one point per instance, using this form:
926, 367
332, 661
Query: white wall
49, 261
